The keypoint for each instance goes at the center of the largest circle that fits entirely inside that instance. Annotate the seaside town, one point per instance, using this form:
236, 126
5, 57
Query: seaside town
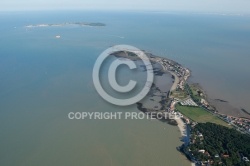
188, 103
125, 83
181, 75
184, 95
186, 100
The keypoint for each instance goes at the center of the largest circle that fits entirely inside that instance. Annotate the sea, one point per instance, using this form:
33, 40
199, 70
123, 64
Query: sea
44, 78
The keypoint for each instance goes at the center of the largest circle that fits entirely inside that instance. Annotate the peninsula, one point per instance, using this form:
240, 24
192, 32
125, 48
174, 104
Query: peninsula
189, 104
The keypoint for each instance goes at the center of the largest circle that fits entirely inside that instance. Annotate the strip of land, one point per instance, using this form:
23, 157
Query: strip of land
188, 102
65, 24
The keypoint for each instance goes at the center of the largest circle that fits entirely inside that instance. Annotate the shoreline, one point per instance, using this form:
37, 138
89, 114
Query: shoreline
180, 75
182, 127
176, 78
183, 130
176, 81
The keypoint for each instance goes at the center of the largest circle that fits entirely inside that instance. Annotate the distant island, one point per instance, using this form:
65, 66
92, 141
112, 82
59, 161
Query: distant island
67, 24
199, 122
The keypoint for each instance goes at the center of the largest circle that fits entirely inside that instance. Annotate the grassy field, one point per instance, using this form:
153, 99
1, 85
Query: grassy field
198, 114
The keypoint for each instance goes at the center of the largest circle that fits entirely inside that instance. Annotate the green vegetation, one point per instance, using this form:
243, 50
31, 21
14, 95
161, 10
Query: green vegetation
179, 94
223, 146
198, 114
194, 91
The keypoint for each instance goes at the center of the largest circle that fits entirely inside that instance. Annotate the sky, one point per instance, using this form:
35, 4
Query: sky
227, 6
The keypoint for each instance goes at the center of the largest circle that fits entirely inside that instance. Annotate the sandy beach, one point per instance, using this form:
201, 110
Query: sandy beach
183, 130
182, 127
176, 81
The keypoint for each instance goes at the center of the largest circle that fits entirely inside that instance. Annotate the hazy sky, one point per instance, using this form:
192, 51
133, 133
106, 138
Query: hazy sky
232, 6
